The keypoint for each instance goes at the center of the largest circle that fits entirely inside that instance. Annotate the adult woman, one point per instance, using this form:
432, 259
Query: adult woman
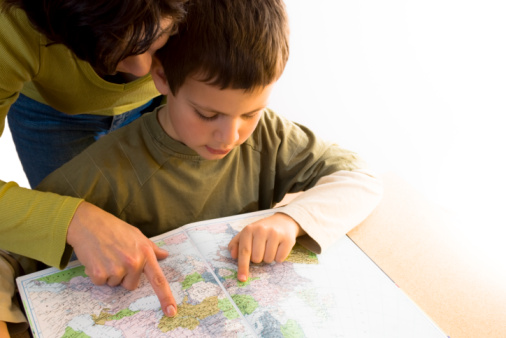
72, 71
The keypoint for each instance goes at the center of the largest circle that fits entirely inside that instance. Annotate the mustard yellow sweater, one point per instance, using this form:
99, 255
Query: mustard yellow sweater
32, 223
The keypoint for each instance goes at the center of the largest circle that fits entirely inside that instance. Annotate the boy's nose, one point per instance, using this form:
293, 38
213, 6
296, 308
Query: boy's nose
228, 134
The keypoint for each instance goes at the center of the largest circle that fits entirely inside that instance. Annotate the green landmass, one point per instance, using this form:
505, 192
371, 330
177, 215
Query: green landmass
292, 329
70, 333
105, 316
233, 275
246, 303
301, 255
227, 308
189, 315
192, 279
64, 276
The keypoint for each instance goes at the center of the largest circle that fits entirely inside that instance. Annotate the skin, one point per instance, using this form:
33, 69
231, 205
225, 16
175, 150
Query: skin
3, 330
212, 122
140, 65
116, 253
267, 240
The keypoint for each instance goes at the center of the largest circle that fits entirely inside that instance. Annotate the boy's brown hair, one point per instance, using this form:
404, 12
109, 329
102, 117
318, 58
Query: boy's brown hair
236, 44
102, 32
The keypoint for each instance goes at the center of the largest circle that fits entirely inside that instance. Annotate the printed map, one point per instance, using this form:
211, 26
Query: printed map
338, 294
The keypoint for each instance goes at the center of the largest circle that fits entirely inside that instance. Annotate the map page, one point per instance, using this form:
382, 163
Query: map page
340, 293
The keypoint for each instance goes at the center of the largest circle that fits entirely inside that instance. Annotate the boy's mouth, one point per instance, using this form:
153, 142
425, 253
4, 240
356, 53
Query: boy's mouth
218, 151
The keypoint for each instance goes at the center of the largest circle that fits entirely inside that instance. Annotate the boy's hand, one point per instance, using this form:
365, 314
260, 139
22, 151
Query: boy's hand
116, 253
269, 239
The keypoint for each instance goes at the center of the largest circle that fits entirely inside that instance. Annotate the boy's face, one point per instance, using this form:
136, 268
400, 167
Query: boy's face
212, 121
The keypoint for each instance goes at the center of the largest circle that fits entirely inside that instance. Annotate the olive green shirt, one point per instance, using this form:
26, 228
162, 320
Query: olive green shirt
143, 176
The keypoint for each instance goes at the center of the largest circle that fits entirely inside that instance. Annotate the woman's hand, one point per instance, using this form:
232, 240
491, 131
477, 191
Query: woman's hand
116, 253
269, 239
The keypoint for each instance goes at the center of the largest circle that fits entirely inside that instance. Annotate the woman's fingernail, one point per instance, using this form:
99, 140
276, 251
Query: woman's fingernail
171, 311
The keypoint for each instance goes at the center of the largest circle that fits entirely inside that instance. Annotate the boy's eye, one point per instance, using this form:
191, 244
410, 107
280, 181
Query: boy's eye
204, 117
249, 116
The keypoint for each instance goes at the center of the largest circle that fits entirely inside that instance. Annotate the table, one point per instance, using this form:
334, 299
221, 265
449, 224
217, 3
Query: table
419, 246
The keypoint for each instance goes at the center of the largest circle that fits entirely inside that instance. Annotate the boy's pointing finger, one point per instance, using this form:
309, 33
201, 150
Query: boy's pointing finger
244, 255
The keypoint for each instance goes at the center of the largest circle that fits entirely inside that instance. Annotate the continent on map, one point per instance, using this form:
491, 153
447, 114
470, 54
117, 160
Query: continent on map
301, 255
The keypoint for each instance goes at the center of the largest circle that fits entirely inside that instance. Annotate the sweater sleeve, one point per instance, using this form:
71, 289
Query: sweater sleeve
336, 204
34, 223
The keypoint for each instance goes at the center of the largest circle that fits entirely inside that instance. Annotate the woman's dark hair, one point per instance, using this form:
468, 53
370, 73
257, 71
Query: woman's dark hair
236, 44
102, 32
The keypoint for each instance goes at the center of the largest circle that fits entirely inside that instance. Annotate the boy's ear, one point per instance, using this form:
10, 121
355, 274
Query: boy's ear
159, 78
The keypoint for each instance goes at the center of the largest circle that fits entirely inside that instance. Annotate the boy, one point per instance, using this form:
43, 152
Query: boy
215, 149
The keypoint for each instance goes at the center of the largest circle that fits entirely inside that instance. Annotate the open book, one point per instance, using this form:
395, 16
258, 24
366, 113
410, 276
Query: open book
340, 293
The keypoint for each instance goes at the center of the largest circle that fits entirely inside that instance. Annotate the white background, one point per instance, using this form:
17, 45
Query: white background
415, 87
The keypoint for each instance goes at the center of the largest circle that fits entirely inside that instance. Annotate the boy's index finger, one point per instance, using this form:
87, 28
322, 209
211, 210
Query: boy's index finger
161, 286
243, 267
244, 255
